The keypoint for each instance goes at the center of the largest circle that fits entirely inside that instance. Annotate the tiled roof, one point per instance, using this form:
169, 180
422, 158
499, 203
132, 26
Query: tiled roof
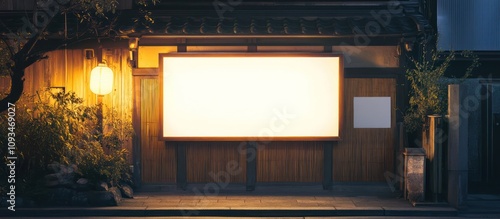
324, 22
275, 26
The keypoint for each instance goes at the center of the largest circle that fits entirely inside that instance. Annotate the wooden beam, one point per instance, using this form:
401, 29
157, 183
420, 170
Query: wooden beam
251, 160
180, 152
373, 72
145, 72
136, 139
327, 165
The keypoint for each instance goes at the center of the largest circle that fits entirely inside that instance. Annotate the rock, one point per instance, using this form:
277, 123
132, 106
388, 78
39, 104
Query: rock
82, 181
54, 167
51, 180
67, 175
80, 199
64, 177
81, 188
59, 196
81, 184
102, 186
72, 168
127, 191
117, 194
105, 198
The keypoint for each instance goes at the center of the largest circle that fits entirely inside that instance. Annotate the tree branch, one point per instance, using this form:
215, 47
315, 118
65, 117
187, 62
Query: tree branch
11, 51
16, 89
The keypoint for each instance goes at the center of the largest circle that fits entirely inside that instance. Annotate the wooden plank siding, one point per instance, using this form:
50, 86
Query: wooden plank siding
290, 162
71, 70
158, 160
365, 154
214, 161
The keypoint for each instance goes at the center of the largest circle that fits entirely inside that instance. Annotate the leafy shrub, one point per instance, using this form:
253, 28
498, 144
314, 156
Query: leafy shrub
59, 128
428, 86
107, 154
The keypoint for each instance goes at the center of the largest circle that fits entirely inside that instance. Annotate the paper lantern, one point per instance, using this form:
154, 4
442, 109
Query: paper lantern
101, 79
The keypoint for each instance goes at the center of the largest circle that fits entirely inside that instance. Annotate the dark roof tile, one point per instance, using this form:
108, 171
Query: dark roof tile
260, 25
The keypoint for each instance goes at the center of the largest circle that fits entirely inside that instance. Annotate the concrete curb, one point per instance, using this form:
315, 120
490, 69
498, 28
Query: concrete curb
144, 212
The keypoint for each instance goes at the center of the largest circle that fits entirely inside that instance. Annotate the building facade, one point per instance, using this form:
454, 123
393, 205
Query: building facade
375, 38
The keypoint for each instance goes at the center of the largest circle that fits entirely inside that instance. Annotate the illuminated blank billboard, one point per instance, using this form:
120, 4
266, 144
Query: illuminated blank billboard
251, 97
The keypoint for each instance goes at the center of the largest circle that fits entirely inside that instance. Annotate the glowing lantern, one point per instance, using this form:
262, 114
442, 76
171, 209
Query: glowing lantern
101, 79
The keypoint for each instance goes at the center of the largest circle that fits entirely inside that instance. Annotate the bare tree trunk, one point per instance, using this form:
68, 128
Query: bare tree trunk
16, 89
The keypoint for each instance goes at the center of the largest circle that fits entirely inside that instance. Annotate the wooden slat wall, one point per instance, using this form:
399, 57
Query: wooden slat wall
70, 69
365, 154
290, 162
158, 159
356, 158
213, 161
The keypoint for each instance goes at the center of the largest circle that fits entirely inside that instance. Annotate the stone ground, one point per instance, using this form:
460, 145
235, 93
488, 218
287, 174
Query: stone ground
211, 200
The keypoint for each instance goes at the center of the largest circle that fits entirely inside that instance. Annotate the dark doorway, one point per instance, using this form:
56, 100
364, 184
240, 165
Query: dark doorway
489, 149
495, 169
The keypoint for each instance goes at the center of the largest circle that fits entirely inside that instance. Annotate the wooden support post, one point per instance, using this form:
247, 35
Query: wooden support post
327, 165
180, 153
136, 139
99, 116
251, 160
136, 157
458, 168
434, 154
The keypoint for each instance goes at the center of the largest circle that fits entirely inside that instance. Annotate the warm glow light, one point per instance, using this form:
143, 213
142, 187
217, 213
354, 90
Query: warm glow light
133, 43
101, 79
243, 97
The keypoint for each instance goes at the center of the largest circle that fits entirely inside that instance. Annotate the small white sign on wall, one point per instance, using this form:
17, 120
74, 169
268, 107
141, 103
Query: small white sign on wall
372, 112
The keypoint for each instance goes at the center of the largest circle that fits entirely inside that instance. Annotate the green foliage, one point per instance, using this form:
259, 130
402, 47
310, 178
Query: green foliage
146, 18
89, 8
5, 61
98, 13
96, 165
106, 159
59, 128
428, 86
98, 19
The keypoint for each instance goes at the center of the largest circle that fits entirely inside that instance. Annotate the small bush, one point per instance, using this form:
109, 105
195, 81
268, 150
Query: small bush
59, 128
428, 85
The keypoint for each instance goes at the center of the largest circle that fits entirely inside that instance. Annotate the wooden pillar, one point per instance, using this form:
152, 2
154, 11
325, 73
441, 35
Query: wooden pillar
136, 157
327, 165
486, 133
180, 155
251, 160
433, 145
457, 147
99, 116
136, 123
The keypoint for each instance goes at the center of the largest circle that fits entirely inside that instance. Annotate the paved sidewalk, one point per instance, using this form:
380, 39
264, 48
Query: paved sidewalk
266, 200
482, 204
